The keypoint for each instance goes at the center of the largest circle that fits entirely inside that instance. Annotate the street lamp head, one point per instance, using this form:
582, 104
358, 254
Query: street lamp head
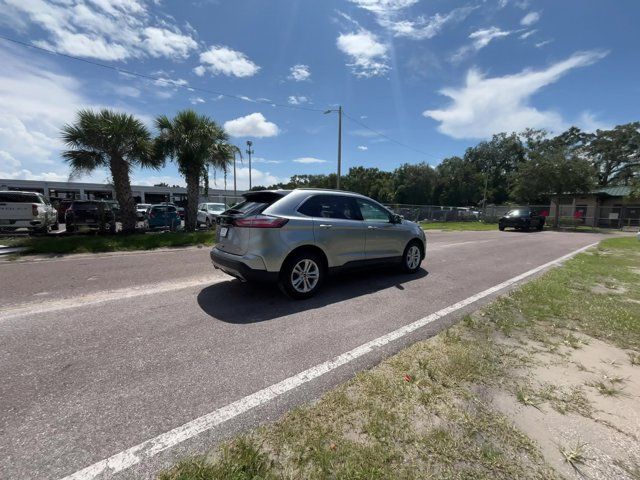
328, 111
249, 142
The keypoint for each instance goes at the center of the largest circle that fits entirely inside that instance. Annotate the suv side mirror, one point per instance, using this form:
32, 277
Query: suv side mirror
397, 218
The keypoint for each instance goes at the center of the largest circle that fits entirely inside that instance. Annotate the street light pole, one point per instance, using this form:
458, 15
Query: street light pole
339, 110
249, 152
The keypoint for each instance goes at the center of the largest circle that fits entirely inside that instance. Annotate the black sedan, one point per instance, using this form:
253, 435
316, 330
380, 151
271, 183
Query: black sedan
522, 219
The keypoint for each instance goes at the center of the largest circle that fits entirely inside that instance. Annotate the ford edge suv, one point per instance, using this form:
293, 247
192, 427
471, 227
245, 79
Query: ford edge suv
296, 237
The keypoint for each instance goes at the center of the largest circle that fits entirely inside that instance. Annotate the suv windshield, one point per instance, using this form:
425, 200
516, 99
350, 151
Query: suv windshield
518, 213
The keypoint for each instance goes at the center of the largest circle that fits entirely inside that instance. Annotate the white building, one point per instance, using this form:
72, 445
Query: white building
101, 191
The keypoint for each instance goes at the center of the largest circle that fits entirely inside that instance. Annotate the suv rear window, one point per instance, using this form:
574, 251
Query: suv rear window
331, 206
84, 206
19, 197
255, 202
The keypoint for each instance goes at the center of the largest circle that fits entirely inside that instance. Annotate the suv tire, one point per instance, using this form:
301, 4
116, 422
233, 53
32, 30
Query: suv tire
412, 257
302, 275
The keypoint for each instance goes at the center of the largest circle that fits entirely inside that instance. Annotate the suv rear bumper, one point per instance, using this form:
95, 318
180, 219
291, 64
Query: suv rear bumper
234, 266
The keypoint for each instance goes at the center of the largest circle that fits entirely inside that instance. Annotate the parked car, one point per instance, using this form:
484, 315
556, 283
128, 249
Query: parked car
61, 206
141, 211
115, 207
163, 217
27, 210
90, 215
180, 212
297, 237
209, 212
521, 219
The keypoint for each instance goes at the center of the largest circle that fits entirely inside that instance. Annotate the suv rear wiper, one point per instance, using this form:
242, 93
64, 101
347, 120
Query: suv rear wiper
233, 210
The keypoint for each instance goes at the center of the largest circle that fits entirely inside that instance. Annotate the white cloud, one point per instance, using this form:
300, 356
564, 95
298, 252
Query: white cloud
363, 148
264, 160
389, 15
543, 43
102, 29
526, 35
481, 38
253, 125
484, 106
308, 160
161, 42
530, 18
297, 100
368, 55
223, 60
258, 177
200, 70
299, 73
196, 100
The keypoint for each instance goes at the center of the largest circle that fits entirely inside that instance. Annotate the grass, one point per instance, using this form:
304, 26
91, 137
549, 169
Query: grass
425, 413
459, 226
110, 243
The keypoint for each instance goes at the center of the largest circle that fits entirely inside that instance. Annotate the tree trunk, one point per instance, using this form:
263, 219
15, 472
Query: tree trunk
193, 194
122, 186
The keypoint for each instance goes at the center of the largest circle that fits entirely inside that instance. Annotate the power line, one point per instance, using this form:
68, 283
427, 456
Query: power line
155, 78
173, 83
389, 138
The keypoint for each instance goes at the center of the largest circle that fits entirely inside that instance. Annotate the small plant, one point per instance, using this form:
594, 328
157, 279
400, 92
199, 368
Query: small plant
574, 456
634, 358
526, 398
607, 388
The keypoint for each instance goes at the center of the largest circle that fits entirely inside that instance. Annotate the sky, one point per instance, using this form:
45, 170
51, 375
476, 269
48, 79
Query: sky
432, 76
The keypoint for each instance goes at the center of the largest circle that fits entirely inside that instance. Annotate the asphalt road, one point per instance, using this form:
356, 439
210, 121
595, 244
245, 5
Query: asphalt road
99, 353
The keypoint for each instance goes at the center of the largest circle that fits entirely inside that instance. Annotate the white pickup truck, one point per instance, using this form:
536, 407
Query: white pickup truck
27, 210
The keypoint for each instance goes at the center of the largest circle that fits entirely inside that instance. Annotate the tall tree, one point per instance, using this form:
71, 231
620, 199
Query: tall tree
414, 184
459, 183
616, 154
115, 141
497, 160
193, 141
552, 171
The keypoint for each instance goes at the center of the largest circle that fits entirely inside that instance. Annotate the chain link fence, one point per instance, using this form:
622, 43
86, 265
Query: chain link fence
617, 217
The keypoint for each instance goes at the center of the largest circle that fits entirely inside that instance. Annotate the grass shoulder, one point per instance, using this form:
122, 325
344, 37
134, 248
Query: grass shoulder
110, 243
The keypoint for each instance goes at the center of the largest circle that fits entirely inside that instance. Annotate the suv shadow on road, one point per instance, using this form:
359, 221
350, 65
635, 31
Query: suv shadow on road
243, 303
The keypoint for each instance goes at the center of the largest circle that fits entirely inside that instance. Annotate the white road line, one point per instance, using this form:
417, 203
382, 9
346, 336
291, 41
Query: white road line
106, 296
149, 448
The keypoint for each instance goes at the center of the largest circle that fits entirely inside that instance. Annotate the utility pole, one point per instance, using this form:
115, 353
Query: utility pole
249, 152
339, 110
235, 184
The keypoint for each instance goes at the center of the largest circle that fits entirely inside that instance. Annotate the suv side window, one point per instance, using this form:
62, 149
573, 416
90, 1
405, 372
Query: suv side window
331, 206
372, 212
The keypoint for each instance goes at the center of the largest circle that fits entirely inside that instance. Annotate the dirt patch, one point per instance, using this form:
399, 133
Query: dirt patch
608, 290
604, 431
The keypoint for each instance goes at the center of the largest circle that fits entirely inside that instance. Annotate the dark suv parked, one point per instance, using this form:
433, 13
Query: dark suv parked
522, 219
90, 214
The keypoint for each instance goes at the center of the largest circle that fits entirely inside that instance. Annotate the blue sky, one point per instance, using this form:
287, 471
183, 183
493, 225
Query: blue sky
437, 76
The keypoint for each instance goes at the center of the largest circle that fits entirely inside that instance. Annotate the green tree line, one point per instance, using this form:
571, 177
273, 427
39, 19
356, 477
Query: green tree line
526, 167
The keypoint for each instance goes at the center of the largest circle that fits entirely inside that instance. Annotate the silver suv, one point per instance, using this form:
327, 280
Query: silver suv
297, 237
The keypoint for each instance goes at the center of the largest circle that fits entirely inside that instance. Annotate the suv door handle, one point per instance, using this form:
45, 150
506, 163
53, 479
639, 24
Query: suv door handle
325, 225
372, 227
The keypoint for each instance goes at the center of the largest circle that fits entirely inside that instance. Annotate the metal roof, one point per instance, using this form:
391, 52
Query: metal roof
621, 191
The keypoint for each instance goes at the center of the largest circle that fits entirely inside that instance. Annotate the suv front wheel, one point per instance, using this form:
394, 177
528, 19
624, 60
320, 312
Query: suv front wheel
302, 275
412, 257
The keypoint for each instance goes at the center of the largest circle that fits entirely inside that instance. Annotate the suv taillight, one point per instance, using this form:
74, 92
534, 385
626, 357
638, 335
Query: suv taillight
34, 210
260, 221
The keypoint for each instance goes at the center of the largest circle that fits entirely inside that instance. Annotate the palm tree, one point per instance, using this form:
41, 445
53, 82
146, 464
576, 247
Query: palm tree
113, 140
194, 142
